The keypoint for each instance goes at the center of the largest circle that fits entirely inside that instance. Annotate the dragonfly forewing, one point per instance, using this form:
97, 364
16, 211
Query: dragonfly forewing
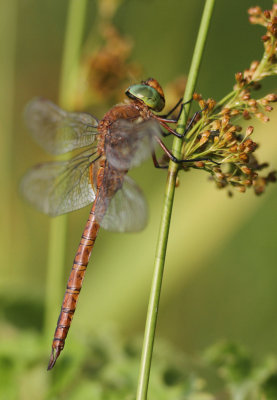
58, 131
59, 187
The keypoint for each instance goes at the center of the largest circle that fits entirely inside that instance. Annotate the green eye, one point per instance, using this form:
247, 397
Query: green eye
147, 94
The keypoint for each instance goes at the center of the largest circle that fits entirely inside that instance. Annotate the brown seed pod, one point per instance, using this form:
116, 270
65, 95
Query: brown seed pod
246, 96
239, 77
243, 157
247, 182
267, 14
262, 117
234, 148
249, 130
234, 112
254, 65
225, 110
241, 189
246, 114
203, 140
259, 185
246, 170
265, 38
228, 136
256, 11
271, 97
197, 96
199, 164
225, 121
252, 103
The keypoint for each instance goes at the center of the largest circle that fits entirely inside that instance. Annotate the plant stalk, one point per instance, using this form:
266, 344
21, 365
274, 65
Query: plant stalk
155, 292
58, 226
8, 30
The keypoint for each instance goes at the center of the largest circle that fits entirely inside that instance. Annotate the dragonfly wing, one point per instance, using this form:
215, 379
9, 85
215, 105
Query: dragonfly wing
56, 188
56, 130
127, 211
131, 143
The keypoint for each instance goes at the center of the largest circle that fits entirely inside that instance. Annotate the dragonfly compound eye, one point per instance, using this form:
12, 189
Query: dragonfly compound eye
147, 94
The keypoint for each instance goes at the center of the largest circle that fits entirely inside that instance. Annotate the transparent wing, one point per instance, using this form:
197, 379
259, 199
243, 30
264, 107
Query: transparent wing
127, 211
56, 130
56, 188
131, 143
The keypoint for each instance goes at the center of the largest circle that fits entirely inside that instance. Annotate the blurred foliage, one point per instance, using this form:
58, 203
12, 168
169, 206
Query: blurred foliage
104, 366
242, 378
220, 278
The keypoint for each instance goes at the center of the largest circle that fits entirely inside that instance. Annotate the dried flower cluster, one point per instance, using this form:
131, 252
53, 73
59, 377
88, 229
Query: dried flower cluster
109, 69
228, 152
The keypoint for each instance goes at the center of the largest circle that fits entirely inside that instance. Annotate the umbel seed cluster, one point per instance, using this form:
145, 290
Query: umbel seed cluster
229, 149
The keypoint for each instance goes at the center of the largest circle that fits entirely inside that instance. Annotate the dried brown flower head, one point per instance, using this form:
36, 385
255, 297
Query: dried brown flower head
106, 71
109, 68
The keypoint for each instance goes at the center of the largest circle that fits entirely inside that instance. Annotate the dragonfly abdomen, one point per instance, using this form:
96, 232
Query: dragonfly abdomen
77, 275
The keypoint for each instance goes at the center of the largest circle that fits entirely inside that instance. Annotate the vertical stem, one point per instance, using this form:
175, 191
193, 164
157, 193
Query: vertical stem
152, 312
58, 226
8, 25
71, 55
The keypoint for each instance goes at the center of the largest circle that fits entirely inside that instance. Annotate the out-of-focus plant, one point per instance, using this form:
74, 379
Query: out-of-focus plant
240, 377
104, 367
106, 68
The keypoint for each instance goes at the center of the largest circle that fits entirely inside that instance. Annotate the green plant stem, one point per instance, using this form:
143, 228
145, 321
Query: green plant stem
226, 98
58, 226
8, 28
153, 306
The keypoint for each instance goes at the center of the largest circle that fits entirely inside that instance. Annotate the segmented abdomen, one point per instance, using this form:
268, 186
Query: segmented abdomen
74, 286
78, 270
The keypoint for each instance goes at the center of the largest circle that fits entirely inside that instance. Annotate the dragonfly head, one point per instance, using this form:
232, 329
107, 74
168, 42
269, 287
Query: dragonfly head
148, 92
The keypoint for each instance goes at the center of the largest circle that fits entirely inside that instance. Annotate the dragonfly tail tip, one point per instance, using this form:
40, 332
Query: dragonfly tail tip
53, 358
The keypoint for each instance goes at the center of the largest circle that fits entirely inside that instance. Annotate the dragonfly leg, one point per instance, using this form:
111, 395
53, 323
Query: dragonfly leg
156, 162
164, 122
170, 130
193, 119
176, 160
165, 116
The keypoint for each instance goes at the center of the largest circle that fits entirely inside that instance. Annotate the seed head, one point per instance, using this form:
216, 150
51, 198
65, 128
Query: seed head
217, 139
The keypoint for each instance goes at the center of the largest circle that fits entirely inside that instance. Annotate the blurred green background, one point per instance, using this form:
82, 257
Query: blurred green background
221, 276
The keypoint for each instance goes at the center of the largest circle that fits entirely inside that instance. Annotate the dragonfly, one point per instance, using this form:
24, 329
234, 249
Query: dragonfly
126, 136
